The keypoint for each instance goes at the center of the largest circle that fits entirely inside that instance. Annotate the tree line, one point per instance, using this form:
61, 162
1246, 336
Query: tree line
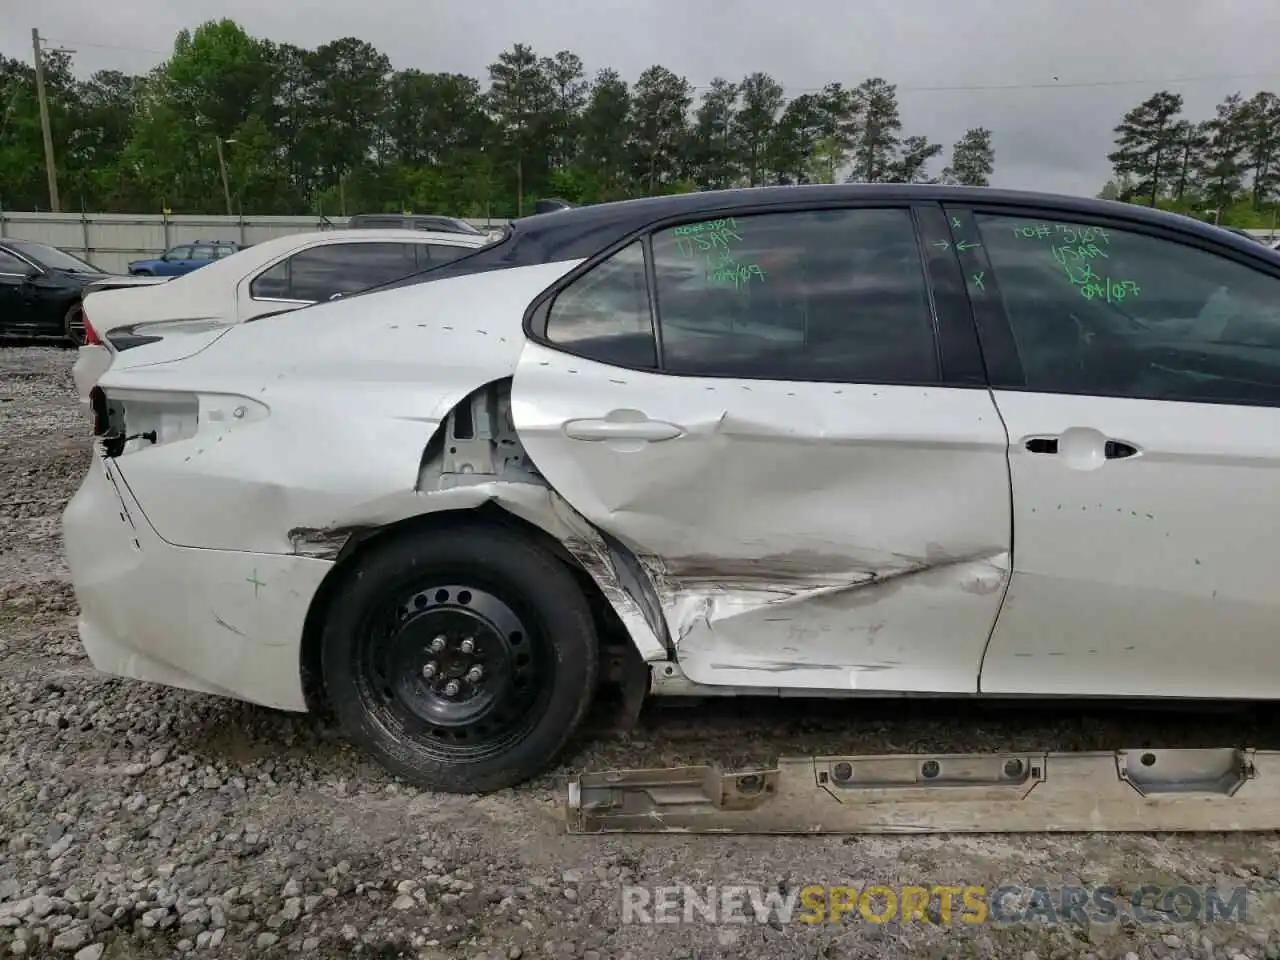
1224, 168
336, 130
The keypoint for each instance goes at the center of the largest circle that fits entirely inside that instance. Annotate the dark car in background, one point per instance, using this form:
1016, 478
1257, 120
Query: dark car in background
41, 288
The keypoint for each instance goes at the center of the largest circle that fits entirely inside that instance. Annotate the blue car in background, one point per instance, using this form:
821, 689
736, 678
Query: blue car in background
184, 258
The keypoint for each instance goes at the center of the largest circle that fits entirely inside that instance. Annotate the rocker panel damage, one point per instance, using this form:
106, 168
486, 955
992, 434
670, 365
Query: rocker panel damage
1139, 790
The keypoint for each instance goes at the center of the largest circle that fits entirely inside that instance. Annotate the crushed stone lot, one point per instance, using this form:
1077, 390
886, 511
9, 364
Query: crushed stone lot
140, 821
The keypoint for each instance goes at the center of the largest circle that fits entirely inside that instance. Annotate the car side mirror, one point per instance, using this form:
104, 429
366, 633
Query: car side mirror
31, 275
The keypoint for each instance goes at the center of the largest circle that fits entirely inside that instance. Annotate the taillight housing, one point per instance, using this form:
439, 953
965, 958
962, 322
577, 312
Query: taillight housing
98, 404
91, 337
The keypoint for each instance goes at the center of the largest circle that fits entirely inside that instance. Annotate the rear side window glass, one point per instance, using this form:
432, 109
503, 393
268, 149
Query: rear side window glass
821, 295
440, 253
271, 284
11, 264
346, 268
604, 315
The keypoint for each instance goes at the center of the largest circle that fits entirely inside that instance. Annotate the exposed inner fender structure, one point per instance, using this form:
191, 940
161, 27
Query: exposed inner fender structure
475, 458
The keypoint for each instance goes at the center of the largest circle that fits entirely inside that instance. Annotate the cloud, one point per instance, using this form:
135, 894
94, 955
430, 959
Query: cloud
1055, 73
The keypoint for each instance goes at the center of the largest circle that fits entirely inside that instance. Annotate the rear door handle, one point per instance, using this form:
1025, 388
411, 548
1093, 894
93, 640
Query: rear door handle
649, 430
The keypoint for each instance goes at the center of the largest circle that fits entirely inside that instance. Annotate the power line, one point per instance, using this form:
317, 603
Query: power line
112, 46
1051, 85
1054, 84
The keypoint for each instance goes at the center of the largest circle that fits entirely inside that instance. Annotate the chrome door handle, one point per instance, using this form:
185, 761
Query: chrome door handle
649, 430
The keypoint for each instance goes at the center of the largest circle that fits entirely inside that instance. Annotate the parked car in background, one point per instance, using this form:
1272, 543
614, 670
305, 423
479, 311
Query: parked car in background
184, 258
42, 288
551, 205
412, 221
269, 277
830, 440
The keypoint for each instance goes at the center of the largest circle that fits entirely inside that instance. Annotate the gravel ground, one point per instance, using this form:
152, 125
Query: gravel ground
138, 821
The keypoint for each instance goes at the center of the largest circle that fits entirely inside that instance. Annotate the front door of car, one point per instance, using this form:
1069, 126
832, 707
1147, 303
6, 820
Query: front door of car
1138, 374
816, 481
174, 262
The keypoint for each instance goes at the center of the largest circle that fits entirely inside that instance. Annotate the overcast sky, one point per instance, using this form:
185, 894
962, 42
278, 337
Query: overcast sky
1064, 72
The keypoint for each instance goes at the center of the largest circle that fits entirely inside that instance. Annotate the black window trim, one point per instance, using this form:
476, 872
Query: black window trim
995, 331
952, 371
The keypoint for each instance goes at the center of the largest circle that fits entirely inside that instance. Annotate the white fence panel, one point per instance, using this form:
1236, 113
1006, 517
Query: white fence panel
110, 241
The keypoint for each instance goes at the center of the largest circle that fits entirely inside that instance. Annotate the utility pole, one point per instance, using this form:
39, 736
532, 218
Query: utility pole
222, 166
50, 169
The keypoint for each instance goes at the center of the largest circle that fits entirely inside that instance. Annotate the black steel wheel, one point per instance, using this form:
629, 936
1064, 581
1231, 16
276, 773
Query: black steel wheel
455, 667
73, 325
463, 659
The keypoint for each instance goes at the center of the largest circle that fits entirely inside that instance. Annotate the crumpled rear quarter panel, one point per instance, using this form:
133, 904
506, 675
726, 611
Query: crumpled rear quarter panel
355, 389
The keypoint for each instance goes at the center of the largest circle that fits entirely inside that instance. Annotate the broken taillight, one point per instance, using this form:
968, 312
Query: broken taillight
91, 337
98, 404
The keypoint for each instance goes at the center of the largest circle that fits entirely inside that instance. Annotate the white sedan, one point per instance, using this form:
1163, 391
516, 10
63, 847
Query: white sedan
269, 277
845, 440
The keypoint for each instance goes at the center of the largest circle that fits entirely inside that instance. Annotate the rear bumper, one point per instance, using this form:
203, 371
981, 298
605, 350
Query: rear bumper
215, 621
92, 361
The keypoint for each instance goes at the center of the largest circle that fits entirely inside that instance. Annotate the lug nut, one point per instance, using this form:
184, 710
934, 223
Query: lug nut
468, 645
429, 671
438, 644
451, 688
475, 673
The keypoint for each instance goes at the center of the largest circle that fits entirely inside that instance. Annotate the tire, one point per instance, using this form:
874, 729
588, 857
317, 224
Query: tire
73, 325
534, 643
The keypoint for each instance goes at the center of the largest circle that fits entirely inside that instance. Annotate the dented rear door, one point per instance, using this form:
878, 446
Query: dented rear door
792, 432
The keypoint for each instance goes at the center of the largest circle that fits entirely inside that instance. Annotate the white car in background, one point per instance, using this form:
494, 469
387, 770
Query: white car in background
270, 277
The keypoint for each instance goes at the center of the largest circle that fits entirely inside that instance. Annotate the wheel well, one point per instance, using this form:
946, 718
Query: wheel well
614, 640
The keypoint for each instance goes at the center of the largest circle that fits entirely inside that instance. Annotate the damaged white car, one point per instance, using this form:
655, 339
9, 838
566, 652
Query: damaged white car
825, 440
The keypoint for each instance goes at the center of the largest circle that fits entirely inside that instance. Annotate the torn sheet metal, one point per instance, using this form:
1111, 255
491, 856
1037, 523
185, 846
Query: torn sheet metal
805, 535
1133, 790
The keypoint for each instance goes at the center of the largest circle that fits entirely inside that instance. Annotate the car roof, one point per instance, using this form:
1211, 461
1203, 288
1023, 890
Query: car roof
407, 216
399, 233
276, 246
17, 243
582, 232
647, 209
